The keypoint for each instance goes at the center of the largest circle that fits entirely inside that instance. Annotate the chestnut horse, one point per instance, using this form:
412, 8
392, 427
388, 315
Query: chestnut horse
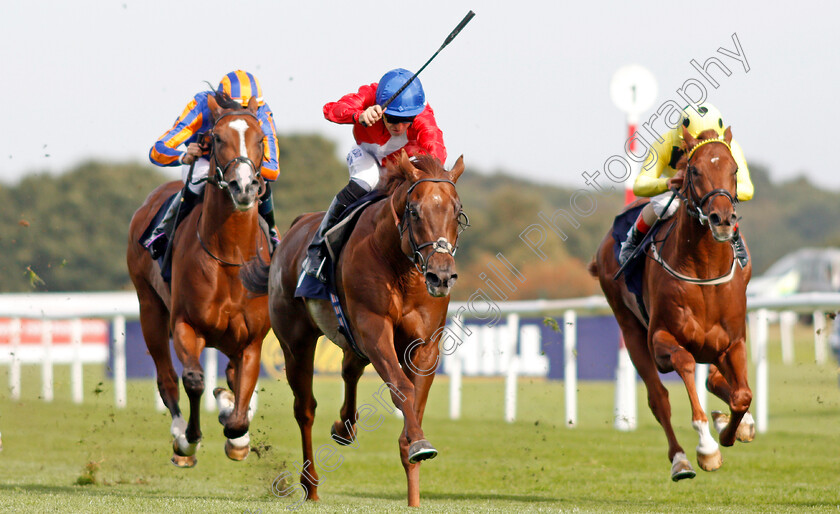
393, 278
696, 299
206, 304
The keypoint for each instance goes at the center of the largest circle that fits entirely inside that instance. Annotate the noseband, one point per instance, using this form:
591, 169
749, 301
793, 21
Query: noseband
441, 245
218, 178
695, 210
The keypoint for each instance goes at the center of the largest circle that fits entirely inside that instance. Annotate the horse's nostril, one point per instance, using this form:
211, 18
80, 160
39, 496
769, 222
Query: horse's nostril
714, 218
432, 279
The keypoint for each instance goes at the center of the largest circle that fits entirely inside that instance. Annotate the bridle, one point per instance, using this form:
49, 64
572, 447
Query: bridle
695, 209
218, 178
218, 174
441, 245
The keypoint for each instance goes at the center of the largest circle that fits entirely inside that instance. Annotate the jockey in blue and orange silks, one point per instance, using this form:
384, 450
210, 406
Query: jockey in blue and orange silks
407, 123
655, 179
196, 119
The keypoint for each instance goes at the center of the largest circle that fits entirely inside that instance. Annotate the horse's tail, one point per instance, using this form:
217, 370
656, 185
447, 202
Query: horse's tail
254, 276
592, 268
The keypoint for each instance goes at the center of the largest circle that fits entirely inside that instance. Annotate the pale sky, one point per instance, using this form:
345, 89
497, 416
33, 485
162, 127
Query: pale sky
523, 88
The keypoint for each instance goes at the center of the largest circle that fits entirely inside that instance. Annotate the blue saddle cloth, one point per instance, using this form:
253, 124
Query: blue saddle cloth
310, 287
634, 269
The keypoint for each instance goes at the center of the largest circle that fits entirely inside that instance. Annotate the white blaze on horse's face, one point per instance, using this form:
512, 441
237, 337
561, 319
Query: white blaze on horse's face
243, 172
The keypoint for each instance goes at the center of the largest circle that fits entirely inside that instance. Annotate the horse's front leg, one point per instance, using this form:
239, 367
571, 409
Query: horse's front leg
421, 371
734, 390
187, 436
236, 415
666, 347
343, 431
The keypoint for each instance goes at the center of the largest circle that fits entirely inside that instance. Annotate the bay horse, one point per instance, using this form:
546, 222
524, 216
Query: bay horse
206, 304
393, 277
695, 296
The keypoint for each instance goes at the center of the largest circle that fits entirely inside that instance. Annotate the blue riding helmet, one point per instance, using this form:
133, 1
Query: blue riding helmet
410, 102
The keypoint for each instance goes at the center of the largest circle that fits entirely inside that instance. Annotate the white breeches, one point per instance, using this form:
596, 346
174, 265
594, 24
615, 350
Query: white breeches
660, 201
200, 170
364, 168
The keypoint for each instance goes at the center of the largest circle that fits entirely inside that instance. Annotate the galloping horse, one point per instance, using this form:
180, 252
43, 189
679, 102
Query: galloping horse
696, 299
393, 277
206, 304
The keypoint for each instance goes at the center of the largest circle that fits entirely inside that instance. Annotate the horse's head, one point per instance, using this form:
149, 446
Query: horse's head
237, 150
710, 181
432, 220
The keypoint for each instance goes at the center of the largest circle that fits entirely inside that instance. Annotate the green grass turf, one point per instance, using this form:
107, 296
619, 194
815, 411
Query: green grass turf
485, 464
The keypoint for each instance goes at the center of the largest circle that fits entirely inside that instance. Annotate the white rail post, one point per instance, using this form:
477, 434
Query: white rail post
701, 373
76, 377
47, 363
454, 369
14, 371
761, 382
211, 374
820, 337
787, 322
118, 329
752, 327
625, 390
570, 366
510, 390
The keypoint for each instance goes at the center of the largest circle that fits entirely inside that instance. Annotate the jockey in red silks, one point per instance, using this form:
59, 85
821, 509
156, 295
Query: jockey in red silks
408, 122
655, 179
197, 119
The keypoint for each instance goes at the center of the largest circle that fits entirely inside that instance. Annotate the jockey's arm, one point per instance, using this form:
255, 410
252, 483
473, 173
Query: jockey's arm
349, 107
428, 136
270, 169
656, 170
164, 152
744, 184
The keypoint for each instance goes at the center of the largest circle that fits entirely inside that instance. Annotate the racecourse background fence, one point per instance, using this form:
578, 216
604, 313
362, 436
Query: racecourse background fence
118, 307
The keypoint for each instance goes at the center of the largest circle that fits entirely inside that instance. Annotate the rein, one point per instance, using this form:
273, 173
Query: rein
218, 178
441, 245
697, 213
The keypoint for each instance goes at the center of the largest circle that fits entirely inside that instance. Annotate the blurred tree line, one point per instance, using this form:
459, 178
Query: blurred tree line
69, 232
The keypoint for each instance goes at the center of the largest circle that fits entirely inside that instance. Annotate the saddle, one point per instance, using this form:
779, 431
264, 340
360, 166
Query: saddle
157, 247
635, 267
334, 240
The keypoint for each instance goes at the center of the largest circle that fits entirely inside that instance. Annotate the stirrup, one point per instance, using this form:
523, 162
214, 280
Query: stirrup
310, 268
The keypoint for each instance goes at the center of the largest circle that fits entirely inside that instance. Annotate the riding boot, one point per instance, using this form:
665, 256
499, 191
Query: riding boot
314, 261
740, 249
266, 210
634, 237
159, 239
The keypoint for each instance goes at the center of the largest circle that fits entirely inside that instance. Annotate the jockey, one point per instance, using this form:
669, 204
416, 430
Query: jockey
408, 122
196, 119
656, 178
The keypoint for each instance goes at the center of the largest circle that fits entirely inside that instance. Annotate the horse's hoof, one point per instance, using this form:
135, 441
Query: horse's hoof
235, 452
421, 450
184, 461
337, 438
720, 420
746, 429
681, 468
711, 462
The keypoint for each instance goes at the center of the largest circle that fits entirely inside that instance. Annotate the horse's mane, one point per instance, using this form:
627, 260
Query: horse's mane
394, 176
225, 101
